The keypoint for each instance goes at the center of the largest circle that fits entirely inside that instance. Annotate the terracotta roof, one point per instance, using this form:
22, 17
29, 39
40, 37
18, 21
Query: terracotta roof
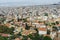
41, 22
42, 29
27, 32
18, 23
17, 39
36, 21
7, 24
47, 35
58, 25
5, 35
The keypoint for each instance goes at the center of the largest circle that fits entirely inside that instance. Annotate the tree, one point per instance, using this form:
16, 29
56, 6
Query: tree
46, 24
48, 32
36, 29
25, 37
53, 23
10, 30
5, 29
55, 28
45, 14
13, 37
47, 38
35, 36
19, 34
3, 38
27, 27
2, 20
57, 22
25, 19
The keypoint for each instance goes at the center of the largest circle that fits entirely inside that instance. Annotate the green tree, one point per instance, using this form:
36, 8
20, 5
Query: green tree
5, 29
25, 37
47, 38
2, 19
36, 30
27, 27
3, 38
53, 23
57, 22
45, 14
13, 37
48, 32
35, 36
55, 28
25, 19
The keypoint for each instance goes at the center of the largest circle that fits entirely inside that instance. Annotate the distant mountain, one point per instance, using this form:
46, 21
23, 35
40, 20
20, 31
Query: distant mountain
56, 3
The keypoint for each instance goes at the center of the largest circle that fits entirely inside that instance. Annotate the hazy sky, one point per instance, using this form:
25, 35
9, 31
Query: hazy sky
26, 2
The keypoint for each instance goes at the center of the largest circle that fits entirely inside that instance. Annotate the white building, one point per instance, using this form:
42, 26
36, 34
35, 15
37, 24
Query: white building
42, 31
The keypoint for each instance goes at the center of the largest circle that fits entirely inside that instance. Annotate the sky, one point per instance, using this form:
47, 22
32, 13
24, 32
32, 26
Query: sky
26, 2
